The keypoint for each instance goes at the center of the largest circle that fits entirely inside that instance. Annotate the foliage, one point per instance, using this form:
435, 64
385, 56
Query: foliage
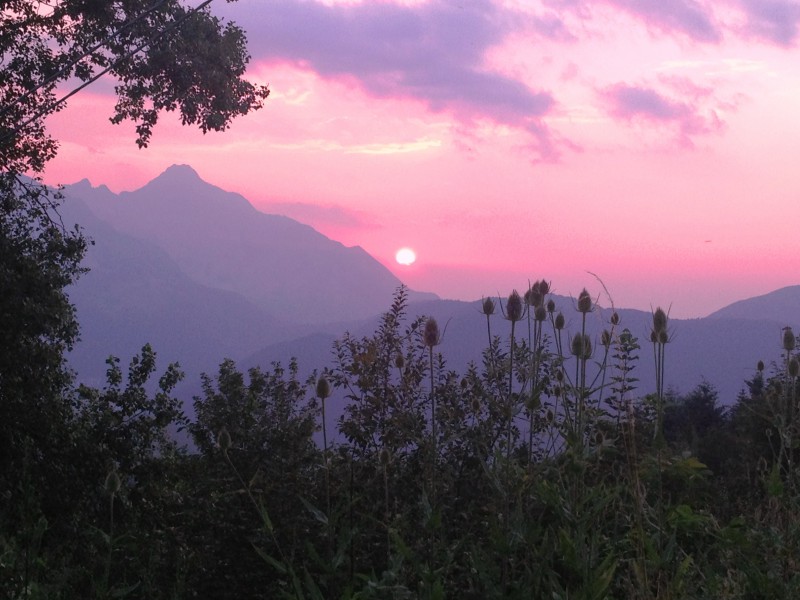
57, 444
163, 55
596, 493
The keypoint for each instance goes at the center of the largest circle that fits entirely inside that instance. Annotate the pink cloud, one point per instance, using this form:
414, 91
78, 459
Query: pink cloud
433, 53
687, 17
630, 102
773, 20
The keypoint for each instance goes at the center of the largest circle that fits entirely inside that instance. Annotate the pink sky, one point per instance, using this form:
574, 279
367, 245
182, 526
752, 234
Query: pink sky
651, 142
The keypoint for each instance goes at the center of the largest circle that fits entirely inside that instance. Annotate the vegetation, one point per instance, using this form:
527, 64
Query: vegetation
546, 475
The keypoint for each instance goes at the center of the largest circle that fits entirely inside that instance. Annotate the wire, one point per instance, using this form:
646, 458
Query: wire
68, 67
52, 106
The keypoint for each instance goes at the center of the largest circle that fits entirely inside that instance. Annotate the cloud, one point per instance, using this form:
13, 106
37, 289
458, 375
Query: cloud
773, 20
432, 52
685, 16
552, 27
630, 102
627, 101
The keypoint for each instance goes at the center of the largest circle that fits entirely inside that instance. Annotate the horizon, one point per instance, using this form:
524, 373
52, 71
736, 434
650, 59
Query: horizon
649, 144
602, 296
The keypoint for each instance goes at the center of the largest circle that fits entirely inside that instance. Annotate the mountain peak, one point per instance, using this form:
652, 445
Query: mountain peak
183, 172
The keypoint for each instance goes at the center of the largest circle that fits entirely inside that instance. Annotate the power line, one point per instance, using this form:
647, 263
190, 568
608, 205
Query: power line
52, 106
68, 67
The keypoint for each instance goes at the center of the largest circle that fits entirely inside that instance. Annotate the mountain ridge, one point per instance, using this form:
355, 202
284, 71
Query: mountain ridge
149, 284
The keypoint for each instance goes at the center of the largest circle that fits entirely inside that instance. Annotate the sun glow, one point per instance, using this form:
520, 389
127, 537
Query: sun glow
405, 256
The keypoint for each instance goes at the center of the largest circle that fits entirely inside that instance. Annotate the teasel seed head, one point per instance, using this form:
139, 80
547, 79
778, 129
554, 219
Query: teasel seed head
789, 340
663, 337
560, 321
431, 334
399, 361
584, 302
323, 388
615, 318
581, 346
760, 366
514, 307
487, 308
659, 320
549, 416
544, 287
605, 338
551, 306
534, 296
794, 367
112, 483
540, 313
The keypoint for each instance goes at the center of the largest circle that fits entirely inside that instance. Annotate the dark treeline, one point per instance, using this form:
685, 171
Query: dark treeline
543, 472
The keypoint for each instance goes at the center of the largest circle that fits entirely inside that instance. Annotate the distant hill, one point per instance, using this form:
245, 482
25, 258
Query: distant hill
721, 351
781, 306
134, 293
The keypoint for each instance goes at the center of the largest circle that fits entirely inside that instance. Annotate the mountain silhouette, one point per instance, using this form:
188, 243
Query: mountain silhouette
782, 306
202, 275
219, 239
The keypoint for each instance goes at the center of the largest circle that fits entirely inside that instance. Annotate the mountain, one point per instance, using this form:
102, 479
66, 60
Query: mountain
781, 306
202, 276
134, 293
218, 239
721, 351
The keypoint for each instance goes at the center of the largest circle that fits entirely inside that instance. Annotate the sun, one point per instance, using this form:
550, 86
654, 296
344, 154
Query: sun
405, 256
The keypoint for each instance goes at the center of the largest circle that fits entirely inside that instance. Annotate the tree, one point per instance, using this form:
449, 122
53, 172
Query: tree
165, 57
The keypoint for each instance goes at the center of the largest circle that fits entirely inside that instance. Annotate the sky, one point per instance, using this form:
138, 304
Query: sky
648, 147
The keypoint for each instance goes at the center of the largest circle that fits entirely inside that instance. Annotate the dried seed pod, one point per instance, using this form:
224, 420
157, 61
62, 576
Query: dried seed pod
581, 346
112, 483
475, 404
399, 361
659, 320
430, 337
615, 318
789, 340
540, 313
551, 306
584, 302
544, 287
560, 321
536, 298
760, 366
323, 388
605, 338
487, 308
514, 307
794, 367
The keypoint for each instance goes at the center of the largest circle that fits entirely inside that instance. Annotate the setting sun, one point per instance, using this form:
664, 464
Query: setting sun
405, 256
